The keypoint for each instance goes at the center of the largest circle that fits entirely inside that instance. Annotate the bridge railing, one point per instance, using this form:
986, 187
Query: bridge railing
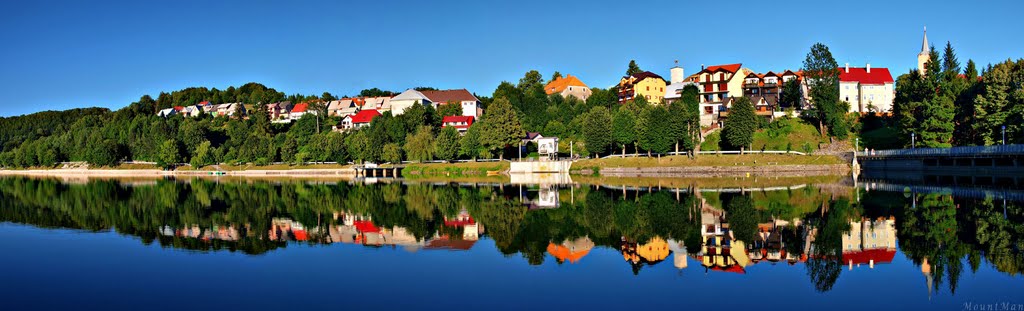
949, 152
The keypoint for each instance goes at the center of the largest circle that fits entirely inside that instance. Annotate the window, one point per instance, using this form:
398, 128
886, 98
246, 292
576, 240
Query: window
648, 87
648, 96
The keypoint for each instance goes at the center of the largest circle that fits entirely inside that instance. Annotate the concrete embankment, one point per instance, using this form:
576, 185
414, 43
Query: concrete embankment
725, 171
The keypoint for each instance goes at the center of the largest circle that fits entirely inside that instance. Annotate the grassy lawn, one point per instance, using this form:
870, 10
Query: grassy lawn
448, 169
709, 160
708, 182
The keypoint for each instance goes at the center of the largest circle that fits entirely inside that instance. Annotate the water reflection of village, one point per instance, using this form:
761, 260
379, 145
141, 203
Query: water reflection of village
351, 229
868, 242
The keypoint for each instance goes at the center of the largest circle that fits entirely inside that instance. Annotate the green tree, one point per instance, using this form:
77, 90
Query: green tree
653, 130
419, 146
633, 68
690, 98
555, 76
597, 132
202, 157
469, 145
791, 94
170, 154
500, 127
937, 127
449, 109
822, 74
446, 147
392, 153
624, 129
739, 128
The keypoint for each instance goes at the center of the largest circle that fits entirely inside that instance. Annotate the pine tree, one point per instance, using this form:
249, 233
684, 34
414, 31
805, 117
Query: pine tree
633, 68
822, 74
937, 127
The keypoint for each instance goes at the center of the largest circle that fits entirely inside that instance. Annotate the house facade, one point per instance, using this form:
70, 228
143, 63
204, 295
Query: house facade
568, 86
867, 89
461, 123
279, 110
469, 103
717, 85
646, 84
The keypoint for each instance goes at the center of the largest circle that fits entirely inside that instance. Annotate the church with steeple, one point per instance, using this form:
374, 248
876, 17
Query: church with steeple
925, 55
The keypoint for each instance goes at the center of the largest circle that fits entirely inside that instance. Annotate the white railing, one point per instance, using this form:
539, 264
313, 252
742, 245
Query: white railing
948, 152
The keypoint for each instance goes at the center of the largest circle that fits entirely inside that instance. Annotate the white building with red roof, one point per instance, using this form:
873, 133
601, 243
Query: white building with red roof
461, 123
359, 120
866, 89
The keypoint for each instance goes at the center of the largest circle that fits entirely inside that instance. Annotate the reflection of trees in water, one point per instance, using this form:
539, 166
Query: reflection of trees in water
824, 261
937, 230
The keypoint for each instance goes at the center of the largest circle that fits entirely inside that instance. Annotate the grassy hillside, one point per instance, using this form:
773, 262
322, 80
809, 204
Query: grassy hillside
783, 134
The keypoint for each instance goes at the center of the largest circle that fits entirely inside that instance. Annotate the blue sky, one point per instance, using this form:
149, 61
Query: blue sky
60, 55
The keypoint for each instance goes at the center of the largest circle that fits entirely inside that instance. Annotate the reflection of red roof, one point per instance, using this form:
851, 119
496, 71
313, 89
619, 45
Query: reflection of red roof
865, 256
732, 268
458, 119
366, 226
459, 222
364, 116
877, 75
300, 235
300, 107
449, 244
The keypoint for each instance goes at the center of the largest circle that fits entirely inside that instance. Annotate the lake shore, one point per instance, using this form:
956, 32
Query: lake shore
674, 166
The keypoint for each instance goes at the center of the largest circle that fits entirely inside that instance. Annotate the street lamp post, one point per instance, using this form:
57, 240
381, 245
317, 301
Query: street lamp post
913, 140
1004, 134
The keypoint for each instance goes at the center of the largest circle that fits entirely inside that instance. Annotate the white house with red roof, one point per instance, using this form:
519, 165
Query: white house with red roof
462, 97
359, 120
461, 123
300, 110
866, 89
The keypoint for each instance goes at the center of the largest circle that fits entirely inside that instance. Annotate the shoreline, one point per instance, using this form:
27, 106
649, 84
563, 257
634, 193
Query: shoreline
662, 171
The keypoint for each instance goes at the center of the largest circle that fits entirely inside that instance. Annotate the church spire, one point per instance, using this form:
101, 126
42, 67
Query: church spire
924, 43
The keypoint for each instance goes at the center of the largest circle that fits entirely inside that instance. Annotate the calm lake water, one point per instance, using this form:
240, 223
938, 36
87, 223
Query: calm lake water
733, 243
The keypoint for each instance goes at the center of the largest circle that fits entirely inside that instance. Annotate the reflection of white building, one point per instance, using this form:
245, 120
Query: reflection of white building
870, 242
678, 253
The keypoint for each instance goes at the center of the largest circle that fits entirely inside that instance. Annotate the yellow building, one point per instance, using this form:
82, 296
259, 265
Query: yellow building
646, 84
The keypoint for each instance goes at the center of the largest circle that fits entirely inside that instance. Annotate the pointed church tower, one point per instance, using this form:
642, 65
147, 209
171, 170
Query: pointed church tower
925, 55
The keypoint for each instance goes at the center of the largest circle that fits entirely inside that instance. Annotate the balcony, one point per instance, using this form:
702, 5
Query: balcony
751, 85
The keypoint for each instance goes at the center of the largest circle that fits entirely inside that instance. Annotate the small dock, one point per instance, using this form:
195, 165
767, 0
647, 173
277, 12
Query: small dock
378, 172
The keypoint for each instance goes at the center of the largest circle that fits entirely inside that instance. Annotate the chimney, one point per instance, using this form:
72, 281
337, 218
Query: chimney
701, 67
869, 67
847, 67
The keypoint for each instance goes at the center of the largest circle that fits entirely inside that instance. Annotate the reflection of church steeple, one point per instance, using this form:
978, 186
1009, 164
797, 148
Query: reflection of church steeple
926, 269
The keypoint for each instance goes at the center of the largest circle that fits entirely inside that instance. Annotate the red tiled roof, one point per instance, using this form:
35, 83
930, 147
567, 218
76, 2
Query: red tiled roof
448, 96
877, 75
458, 119
364, 116
179, 108
300, 107
730, 68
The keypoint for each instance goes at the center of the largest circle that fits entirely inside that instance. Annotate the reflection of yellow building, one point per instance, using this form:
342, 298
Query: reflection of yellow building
652, 252
646, 84
572, 251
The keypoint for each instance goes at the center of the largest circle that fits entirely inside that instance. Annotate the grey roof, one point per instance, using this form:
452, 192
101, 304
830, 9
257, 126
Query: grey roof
410, 94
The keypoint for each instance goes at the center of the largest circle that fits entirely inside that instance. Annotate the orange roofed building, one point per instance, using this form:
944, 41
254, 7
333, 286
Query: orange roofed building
568, 86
